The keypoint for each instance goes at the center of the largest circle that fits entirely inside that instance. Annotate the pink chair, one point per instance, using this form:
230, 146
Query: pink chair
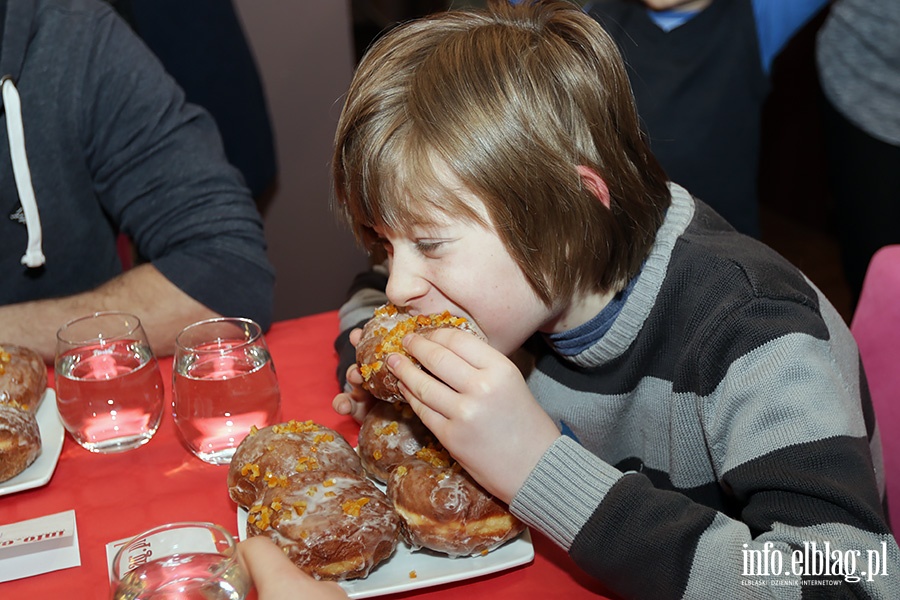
876, 327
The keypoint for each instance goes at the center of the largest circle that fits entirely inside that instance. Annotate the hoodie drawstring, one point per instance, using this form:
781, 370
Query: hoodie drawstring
34, 256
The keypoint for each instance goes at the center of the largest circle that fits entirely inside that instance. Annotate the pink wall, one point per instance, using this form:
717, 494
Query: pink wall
305, 56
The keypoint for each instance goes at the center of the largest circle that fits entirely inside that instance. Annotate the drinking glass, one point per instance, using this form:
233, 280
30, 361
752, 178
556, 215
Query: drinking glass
223, 383
108, 388
187, 561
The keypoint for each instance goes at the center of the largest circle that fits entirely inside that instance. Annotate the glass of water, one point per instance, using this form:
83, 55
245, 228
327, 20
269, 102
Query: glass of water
223, 383
108, 388
187, 561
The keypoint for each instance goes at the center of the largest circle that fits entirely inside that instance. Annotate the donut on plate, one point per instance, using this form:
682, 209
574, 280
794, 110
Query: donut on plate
23, 380
390, 433
443, 509
271, 454
20, 440
23, 377
333, 525
383, 334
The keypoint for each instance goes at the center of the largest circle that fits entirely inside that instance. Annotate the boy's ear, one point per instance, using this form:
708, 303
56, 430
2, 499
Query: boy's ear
593, 182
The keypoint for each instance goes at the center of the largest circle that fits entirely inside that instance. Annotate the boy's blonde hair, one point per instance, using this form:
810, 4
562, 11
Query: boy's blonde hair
508, 101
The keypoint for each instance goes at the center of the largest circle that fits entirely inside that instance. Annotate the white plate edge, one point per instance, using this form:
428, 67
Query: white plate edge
52, 436
521, 549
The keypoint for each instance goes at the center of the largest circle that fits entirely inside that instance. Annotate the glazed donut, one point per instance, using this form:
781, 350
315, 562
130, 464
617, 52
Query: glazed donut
443, 509
20, 440
269, 455
390, 433
23, 377
383, 334
334, 526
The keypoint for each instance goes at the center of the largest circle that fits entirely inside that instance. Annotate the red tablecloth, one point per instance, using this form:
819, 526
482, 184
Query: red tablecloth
119, 495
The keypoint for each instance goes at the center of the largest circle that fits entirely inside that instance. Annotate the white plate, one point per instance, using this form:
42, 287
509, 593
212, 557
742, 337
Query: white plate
431, 568
52, 433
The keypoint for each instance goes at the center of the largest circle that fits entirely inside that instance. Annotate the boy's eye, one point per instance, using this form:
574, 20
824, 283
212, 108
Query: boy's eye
428, 246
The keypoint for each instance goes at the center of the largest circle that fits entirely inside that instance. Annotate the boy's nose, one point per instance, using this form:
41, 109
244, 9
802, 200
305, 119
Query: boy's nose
404, 284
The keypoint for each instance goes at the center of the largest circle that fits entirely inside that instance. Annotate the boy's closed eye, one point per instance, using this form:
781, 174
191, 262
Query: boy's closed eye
428, 247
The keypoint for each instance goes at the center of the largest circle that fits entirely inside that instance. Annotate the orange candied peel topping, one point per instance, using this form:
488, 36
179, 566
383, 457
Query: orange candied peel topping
437, 457
307, 463
323, 437
250, 471
391, 339
270, 516
275, 480
295, 427
4, 360
392, 428
12, 403
353, 507
260, 515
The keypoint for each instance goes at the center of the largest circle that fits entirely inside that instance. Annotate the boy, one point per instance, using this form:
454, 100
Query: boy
691, 400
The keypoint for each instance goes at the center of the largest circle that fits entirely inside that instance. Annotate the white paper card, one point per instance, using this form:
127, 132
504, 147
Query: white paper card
38, 546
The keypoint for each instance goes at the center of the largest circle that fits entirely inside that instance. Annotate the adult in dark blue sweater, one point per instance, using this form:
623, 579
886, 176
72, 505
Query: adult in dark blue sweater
699, 70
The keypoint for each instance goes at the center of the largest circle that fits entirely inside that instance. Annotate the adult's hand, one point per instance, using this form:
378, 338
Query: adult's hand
277, 578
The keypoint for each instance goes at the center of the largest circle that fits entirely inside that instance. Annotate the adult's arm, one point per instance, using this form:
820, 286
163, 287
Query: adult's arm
163, 309
160, 172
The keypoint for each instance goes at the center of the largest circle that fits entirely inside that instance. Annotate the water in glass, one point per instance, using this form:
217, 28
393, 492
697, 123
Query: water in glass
110, 396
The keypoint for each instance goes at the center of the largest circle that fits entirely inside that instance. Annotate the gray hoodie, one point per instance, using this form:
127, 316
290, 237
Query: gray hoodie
101, 142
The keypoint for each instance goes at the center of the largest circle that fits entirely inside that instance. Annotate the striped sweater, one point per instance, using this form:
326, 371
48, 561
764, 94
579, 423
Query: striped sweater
719, 428
725, 408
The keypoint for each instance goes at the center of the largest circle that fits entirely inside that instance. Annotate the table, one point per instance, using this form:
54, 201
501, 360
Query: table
119, 495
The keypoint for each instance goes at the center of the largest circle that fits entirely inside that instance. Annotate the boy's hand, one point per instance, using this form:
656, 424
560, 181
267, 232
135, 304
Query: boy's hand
476, 402
355, 401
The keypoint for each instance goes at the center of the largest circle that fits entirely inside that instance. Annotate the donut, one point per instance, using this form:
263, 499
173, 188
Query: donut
334, 525
383, 334
390, 433
23, 377
443, 509
20, 440
268, 455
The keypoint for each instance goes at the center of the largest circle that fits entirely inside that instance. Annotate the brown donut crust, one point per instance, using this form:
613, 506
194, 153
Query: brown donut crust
443, 509
390, 433
20, 440
268, 455
334, 526
383, 334
23, 377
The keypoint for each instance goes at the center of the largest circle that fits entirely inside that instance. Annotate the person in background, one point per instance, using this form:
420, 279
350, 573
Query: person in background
858, 58
100, 143
700, 70
692, 400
